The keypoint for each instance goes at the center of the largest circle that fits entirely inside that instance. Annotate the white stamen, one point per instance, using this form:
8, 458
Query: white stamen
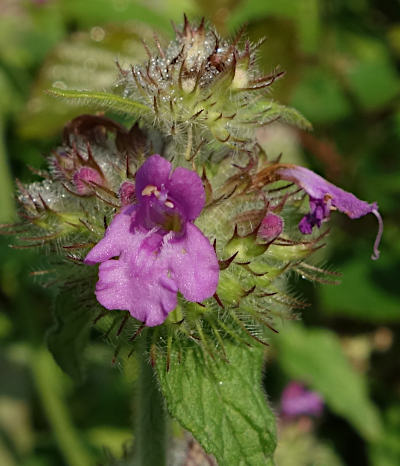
149, 190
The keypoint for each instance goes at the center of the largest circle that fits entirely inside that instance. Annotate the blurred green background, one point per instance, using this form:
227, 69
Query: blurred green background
342, 62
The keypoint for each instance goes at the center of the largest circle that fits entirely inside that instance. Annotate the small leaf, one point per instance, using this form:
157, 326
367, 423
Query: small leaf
273, 111
315, 357
100, 99
222, 404
69, 335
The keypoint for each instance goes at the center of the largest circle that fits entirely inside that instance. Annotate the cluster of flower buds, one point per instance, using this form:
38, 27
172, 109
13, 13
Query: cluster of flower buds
193, 245
204, 93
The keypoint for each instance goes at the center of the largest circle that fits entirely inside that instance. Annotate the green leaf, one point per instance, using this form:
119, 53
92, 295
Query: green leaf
387, 451
103, 100
84, 60
315, 357
374, 83
222, 404
7, 212
320, 97
305, 16
94, 12
370, 72
69, 335
273, 111
360, 296
9, 98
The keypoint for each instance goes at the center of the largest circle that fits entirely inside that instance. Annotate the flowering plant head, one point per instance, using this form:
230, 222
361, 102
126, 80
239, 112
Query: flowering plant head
160, 251
197, 238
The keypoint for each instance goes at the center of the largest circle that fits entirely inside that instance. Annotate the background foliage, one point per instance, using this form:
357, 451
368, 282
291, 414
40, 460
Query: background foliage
342, 61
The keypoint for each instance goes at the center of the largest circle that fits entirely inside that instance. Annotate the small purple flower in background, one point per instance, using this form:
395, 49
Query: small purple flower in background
324, 197
297, 401
270, 228
152, 250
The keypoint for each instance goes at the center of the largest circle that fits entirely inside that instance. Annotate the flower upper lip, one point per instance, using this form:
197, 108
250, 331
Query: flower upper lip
183, 186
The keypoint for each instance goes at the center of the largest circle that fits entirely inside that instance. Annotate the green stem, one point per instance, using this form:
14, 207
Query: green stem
150, 419
48, 385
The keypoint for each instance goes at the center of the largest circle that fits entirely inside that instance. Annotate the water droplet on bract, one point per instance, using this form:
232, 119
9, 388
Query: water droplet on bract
97, 33
59, 85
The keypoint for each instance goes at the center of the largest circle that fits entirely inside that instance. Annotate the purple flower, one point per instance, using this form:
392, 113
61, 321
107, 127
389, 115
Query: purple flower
270, 228
152, 250
296, 401
324, 197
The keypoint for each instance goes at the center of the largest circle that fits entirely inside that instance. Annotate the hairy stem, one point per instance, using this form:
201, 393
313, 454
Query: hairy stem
150, 419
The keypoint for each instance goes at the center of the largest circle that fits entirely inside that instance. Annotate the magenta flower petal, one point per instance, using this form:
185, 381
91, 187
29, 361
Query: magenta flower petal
154, 172
114, 239
318, 188
187, 187
324, 197
193, 264
138, 282
181, 186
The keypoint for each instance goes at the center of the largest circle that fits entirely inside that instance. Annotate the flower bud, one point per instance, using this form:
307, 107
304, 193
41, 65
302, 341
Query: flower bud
201, 87
271, 227
84, 178
127, 193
